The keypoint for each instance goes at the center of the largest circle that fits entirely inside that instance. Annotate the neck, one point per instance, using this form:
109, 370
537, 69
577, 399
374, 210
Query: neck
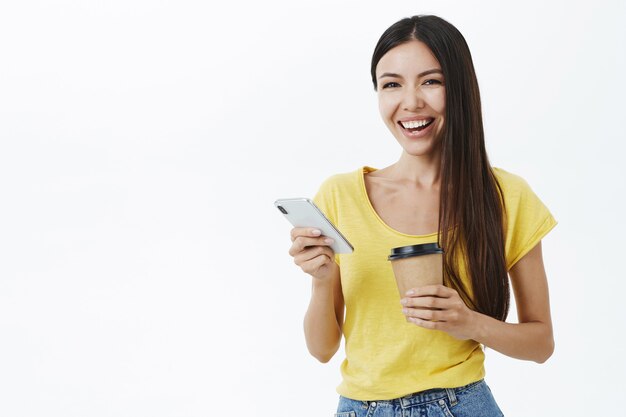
421, 171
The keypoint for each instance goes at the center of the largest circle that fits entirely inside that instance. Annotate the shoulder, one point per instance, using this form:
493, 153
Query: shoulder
340, 178
508, 180
520, 201
513, 186
340, 181
528, 220
334, 190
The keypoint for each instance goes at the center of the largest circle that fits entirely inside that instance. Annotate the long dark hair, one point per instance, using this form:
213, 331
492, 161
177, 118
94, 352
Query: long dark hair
471, 214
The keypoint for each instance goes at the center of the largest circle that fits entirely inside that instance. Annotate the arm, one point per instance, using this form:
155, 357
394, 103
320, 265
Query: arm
530, 339
323, 320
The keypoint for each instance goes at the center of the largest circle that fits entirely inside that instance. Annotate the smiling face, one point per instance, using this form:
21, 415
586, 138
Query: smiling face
411, 96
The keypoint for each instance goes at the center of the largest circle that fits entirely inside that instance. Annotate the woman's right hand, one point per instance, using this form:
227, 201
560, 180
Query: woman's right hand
312, 252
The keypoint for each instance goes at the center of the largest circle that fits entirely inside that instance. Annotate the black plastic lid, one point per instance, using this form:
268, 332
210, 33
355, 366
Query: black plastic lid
414, 250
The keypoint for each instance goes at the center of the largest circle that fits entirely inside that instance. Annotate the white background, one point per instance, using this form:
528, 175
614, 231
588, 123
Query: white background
143, 267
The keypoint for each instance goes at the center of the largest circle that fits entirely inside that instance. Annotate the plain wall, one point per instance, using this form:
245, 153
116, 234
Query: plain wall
143, 267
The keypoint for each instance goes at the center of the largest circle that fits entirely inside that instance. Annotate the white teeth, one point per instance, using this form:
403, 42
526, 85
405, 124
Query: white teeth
414, 124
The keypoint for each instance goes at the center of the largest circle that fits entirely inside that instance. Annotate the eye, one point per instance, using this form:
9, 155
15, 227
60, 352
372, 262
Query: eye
391, 84
432, 82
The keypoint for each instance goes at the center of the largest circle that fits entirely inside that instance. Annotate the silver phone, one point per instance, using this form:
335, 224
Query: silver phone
302, 212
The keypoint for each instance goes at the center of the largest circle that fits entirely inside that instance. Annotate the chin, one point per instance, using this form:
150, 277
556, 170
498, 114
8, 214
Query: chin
419, 149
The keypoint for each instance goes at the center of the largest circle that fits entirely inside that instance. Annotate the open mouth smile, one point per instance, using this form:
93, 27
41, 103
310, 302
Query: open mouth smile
416, 128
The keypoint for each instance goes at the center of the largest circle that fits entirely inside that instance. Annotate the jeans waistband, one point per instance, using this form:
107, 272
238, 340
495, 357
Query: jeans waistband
428, 396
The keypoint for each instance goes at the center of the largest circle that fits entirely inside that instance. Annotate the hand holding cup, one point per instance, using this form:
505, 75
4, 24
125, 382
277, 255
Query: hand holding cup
416, 266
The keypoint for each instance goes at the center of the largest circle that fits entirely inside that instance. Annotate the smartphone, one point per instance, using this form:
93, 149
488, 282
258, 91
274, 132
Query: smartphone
302, 212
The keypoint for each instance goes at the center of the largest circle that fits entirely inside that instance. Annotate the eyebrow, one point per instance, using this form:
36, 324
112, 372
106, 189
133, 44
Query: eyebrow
421, 74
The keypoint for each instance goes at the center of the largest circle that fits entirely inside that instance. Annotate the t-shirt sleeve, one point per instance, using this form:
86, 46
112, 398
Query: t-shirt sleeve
528, 221
325, 200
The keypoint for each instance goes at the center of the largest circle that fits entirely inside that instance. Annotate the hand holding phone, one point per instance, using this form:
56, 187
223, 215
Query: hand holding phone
312, 253
302, 212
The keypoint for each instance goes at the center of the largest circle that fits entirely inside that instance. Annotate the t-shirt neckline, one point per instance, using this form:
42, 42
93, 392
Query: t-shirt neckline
361, 173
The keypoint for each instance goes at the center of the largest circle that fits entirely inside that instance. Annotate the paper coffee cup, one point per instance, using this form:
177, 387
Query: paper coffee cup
416, 266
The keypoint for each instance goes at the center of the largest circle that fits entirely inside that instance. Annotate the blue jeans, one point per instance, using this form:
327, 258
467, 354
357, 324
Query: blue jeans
473, 400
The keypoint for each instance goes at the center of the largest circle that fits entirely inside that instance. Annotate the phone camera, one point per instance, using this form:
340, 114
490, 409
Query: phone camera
282, 209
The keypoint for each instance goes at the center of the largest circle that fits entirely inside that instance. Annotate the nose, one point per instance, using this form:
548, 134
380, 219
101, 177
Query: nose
412, 100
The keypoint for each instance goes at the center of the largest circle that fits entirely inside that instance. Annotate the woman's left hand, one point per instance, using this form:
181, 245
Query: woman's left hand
449, 314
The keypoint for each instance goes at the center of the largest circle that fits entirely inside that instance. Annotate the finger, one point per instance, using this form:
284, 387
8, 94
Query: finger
313, 253
302, 243
304, 231
426, 302
431, 290
432, 325
311, 266
422, 314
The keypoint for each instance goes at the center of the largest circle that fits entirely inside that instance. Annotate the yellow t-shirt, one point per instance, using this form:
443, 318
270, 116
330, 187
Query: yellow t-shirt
387, 357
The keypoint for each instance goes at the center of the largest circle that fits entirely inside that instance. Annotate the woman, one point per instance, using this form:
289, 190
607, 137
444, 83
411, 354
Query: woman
442, 189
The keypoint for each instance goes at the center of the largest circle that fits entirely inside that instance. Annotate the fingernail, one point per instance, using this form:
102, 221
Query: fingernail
403, 301
328, 240
316, 232
410, 292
